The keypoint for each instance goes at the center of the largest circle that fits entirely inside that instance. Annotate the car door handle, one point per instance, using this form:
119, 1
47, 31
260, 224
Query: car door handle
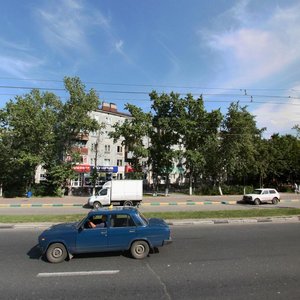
132, 230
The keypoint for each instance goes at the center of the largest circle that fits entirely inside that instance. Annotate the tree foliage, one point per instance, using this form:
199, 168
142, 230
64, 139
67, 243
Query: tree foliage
239, 140
38, 129
133, 133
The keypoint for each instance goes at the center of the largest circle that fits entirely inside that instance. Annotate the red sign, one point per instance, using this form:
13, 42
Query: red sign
83, 168
128, 169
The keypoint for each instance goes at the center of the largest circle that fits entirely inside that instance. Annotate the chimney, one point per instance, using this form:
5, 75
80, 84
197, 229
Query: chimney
112, 107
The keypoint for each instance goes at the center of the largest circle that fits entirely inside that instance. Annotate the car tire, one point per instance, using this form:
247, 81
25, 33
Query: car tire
256, 201
275, 201
97, 204
139, 249
56, 253
128, 203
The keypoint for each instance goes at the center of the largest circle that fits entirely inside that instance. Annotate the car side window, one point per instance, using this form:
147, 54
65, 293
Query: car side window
97, 221
265, 192
103, 192
121, 220
272, 192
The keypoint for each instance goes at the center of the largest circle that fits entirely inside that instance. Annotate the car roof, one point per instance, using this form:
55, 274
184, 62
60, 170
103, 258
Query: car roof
265, 189
115, 209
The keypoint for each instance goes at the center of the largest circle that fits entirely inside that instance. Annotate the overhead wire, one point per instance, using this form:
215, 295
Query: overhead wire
245, 96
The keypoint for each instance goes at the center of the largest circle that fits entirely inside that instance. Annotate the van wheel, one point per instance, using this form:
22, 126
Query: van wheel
97, 204
139, 249
56, 253
275, 200
128, 203
256, 201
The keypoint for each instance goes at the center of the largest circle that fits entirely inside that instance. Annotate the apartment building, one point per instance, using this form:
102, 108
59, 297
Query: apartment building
98, 150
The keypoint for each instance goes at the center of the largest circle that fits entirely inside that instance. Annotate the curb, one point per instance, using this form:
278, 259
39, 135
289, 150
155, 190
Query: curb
235, 221
173, 203
185, 222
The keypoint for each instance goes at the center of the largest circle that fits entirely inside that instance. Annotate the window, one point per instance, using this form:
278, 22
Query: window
119, 162
119, 149
121, 220
103, 192
107, 148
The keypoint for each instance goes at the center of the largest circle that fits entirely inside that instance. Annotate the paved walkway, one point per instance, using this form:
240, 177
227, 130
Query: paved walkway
172, 199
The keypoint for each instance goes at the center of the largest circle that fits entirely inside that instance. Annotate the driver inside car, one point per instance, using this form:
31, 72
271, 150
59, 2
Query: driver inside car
102, 223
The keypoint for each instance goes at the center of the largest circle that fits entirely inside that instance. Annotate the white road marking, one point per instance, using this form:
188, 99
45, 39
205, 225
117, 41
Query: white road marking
82, 273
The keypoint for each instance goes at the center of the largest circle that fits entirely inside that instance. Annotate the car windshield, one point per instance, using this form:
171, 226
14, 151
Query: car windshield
80, 223
257, 192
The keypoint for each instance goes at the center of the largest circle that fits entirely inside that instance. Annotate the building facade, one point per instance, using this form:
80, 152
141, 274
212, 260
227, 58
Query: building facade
98, 151
111, 160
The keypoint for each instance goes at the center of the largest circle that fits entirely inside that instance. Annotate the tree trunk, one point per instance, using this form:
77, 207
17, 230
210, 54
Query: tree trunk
167, 186
191, 186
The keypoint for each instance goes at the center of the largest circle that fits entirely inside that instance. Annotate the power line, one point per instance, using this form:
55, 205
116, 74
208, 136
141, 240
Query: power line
154, 85
252, 98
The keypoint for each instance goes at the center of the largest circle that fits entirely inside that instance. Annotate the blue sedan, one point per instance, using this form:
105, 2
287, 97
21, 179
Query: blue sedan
106, 229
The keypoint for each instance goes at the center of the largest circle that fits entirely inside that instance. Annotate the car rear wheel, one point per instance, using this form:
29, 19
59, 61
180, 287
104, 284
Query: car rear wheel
256, 201
97, 204
128, 203
275, 200
56, 253
139, 249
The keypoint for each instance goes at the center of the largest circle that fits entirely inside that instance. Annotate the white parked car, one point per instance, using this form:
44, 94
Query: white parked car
259, 196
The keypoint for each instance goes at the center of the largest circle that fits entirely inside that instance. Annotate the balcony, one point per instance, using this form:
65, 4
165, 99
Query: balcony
81, 150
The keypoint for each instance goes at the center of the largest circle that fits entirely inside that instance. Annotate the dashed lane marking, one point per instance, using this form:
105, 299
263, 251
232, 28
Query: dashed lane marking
81, 273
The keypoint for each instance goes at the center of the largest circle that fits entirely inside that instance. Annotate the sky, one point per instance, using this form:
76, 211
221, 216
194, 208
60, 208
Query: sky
225, 50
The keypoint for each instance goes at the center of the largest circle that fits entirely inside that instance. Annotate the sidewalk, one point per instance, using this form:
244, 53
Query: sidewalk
146, 199
172, 199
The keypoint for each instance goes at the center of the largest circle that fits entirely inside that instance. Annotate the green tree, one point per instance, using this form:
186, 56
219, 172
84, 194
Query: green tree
284, 159
73, 120
239, 140
133, 133
164, 136
199, 136
38, 129
27, 135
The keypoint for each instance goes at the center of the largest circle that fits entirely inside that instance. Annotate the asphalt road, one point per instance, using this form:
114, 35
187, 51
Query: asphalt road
76, 205
258, 261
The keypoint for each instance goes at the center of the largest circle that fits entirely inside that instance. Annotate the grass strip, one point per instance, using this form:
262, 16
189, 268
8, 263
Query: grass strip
220, 214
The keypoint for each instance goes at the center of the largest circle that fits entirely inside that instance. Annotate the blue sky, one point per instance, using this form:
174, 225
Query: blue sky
247, 51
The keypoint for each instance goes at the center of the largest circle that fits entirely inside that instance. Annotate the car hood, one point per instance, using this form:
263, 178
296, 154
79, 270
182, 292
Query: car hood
157, 222
62, 227
251, 195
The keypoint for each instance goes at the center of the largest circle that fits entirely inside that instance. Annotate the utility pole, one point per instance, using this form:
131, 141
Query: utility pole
95, 171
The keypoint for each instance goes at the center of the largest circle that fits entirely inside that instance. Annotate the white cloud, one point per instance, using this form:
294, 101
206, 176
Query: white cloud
67, 26
277, 118
119, 46
19, 67
281, 116
61, 27
253, 50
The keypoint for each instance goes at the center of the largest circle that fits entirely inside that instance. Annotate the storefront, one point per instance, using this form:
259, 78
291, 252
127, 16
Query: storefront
83, 182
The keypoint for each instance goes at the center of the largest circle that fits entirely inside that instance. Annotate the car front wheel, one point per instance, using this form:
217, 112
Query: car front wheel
56, 253
97, 204
139, 249
256, 201
275, 201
